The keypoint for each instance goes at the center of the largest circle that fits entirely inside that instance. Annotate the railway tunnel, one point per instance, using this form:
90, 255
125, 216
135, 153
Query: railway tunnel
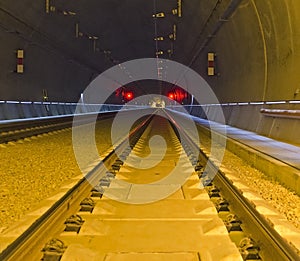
217, 78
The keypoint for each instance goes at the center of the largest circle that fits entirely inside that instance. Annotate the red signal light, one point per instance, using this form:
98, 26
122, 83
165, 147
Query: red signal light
177, 94
128, 95
171, 96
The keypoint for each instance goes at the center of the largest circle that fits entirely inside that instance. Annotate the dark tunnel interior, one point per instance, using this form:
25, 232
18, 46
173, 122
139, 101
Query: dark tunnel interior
66, 44
149, 130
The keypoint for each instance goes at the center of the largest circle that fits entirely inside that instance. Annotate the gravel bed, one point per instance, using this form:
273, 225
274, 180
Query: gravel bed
285, 201
33, 169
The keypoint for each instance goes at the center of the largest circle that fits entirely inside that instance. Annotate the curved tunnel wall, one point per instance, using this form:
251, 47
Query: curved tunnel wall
258, 59
42, 70
258, 56
47, 63
258, 53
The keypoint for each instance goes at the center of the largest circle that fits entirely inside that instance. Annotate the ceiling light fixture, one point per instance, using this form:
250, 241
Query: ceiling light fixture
159, 15
175, 11
179, 8
174, 32
69, 13
50, 8
91, 37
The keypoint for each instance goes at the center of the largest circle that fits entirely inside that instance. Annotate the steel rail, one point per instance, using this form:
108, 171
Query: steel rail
274, 247
16, 130
24, 244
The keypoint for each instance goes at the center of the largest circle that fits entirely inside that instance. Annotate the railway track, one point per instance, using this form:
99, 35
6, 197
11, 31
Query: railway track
270, 244
53, 222
23, 246
19, 129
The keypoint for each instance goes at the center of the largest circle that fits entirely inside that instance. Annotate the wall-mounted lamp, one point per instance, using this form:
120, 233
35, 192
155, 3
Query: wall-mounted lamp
159, 52
20, 59
211, 64
160, 38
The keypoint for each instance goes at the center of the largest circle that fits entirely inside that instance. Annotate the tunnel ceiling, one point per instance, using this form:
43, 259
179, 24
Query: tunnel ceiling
256, 44
95, 35
110, 31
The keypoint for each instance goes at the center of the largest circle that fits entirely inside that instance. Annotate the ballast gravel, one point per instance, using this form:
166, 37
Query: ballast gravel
35, 168
284, 200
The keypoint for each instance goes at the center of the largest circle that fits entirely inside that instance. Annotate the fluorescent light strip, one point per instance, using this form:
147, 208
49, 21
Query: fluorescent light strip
256, 103
14, 102
276, 102
294, 101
